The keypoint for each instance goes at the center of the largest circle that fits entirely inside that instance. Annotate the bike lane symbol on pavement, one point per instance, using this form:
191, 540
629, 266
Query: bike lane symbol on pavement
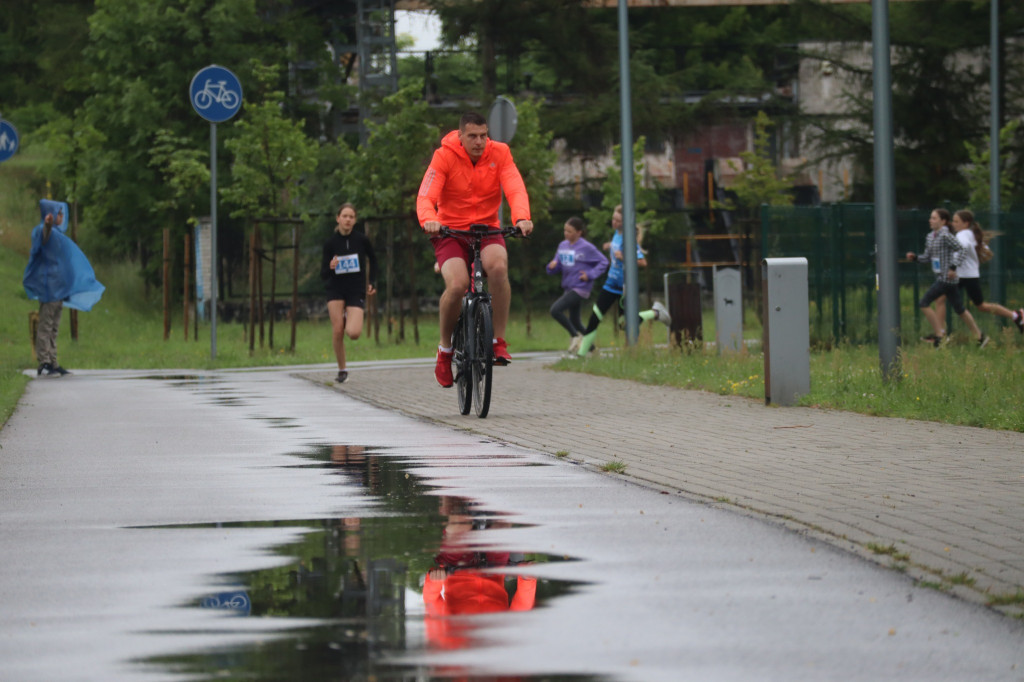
215, 93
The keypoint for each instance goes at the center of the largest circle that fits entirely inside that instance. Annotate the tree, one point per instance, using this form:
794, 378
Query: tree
758, 182
65, 139
272, 155
940, 94
978, 175
185, 170
685, 63
535, 158
142, 55
646, 199
381, 178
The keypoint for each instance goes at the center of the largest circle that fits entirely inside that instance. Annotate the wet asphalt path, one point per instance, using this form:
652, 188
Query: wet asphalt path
125, 497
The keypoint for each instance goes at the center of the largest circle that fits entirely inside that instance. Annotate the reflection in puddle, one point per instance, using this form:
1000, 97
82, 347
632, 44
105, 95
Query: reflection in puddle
410, 576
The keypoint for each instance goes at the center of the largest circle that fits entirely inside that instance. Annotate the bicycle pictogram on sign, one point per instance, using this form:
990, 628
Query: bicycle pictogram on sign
215, 93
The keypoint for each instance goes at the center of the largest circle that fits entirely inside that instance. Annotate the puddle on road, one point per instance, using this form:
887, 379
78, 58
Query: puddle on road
410, 576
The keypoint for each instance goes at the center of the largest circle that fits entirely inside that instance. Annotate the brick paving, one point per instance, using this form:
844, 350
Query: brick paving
944, 503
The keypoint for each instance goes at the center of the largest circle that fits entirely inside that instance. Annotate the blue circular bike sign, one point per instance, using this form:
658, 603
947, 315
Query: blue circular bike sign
215, 93
8, 140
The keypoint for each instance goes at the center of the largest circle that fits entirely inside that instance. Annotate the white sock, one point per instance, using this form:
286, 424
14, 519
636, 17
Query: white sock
443, 349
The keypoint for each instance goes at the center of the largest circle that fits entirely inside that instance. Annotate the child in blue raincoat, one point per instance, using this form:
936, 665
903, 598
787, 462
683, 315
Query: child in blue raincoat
58, 274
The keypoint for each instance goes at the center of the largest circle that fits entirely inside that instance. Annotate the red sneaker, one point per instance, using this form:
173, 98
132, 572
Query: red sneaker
443, 368
501, 356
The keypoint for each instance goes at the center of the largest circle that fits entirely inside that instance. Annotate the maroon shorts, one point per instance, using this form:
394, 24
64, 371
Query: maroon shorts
453, 247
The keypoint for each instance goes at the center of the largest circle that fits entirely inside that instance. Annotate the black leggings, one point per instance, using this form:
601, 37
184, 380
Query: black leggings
605, 300
566, 311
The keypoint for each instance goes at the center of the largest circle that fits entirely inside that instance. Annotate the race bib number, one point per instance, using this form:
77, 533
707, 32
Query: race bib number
567, 258
936, 266
347, 264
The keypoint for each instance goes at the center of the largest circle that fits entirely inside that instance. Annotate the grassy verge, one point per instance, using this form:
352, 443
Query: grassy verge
958, 384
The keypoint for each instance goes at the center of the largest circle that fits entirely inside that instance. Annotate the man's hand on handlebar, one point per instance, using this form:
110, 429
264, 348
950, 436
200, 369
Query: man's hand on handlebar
432, 227
525, 226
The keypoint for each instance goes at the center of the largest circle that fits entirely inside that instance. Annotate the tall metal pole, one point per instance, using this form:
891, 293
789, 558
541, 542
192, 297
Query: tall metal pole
996, 271
628, 200
213, 241
885, 197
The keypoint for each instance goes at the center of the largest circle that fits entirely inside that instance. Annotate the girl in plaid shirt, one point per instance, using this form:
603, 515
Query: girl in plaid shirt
944, 252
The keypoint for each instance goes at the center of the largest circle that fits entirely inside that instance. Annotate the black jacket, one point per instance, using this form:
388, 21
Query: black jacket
353, 244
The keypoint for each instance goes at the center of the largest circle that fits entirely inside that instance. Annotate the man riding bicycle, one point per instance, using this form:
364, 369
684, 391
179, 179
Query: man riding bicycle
462, 187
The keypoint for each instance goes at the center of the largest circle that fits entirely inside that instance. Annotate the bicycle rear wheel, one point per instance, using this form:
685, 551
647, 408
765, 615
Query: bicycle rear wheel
463, 374
483, 356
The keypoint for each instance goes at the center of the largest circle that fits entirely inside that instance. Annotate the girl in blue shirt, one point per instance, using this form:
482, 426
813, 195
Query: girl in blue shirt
611, 292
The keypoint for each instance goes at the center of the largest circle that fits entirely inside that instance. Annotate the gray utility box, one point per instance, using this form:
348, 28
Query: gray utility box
787, 330
728, 309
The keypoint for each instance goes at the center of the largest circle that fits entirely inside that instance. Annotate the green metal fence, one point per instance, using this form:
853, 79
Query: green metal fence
838, 241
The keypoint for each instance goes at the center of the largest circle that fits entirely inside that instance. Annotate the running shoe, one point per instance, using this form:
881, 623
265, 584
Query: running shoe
443, 368
983, 341
574, 346
1019, 320
501, 356
661, 314
342, 376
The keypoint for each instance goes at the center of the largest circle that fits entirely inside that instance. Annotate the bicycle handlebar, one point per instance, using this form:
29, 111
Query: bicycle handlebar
481, 230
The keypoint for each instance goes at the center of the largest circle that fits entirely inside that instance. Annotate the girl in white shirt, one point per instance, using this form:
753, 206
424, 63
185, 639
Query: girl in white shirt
968, 232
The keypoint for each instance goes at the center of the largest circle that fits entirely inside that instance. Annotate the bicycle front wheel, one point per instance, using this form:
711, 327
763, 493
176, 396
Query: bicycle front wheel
461, 353
203, 99
483, 356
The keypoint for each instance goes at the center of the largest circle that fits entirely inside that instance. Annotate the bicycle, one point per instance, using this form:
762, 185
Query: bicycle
472, 353
216, 93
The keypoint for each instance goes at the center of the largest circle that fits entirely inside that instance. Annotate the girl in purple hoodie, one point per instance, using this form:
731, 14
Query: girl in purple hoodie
580, 264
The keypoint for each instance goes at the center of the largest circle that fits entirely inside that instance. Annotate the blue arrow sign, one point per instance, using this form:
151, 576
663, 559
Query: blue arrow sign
215, 93
8, 140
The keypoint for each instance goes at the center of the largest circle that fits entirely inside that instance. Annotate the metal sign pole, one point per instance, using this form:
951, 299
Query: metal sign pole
885, 197
996, 270
628, 202
216, 96
213, 241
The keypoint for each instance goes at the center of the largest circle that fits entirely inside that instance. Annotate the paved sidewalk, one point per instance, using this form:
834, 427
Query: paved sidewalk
944, 503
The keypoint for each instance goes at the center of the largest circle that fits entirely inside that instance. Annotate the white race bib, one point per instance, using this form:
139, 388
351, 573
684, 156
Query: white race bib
347, 264
936, 266
567, 258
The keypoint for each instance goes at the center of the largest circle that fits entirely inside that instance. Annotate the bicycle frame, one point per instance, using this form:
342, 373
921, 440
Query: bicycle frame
473, 353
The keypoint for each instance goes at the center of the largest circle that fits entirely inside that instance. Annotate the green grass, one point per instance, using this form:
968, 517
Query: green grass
1010, 599
614, 467
958, 384
887, 550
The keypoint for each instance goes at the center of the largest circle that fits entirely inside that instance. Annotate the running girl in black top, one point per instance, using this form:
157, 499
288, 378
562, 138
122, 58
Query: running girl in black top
349, 268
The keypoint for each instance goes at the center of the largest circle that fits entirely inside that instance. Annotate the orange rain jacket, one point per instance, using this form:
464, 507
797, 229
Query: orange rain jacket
457, 193
464, 593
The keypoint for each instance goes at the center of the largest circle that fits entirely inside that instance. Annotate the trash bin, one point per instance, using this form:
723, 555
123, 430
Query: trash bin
683, 303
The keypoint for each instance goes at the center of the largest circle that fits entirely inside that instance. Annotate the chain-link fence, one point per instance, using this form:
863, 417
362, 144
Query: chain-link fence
838, 241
